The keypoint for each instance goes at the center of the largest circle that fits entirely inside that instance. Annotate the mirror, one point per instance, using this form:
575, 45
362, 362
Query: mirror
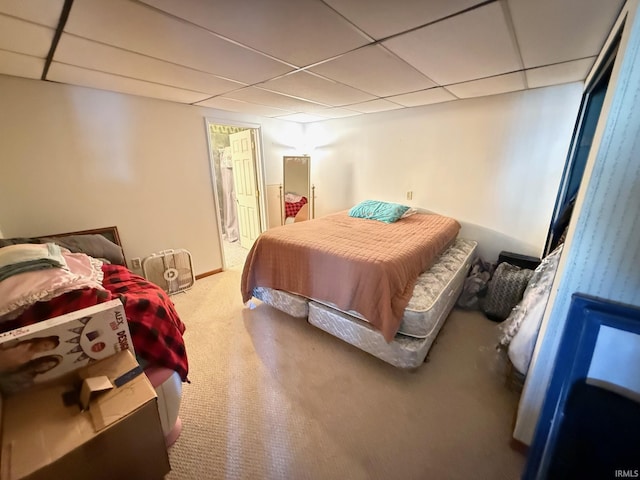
297, 193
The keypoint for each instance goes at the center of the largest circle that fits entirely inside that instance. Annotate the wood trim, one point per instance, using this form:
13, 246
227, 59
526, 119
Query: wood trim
208, 274
519, 446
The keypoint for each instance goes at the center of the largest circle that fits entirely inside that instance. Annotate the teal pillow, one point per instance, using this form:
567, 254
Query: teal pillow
375, 210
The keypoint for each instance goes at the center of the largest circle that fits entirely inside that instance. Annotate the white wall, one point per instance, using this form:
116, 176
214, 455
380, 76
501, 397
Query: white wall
493, 163
74, 158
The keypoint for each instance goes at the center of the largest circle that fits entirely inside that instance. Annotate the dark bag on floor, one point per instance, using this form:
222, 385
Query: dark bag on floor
505, 290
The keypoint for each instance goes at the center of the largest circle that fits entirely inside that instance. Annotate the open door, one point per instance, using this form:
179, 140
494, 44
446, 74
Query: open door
583, 137
246, 186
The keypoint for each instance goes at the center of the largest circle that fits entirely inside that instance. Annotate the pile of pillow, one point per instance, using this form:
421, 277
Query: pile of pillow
40, 272
382, 211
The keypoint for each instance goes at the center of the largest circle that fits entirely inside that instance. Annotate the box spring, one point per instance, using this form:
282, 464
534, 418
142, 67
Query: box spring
295, 305
403, 351
433, 298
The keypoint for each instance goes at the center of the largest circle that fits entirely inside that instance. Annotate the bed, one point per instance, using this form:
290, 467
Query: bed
385, 288
155, 326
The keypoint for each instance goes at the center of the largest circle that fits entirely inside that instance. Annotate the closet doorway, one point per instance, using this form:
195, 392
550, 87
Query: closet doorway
236, 172
583, 137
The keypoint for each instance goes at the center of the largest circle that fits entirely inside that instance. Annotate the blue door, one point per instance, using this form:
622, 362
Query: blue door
599, 355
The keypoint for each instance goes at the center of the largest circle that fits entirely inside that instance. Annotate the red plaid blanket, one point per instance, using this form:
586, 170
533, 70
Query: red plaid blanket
156, 328
292, 208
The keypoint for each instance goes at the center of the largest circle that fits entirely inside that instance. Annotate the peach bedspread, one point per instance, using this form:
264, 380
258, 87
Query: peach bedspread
357, 264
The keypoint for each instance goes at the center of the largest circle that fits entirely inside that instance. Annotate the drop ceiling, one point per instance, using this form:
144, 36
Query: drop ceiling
305, 60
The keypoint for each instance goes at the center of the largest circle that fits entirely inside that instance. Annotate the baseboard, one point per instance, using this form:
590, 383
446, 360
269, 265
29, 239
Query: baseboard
208, 274
519, 446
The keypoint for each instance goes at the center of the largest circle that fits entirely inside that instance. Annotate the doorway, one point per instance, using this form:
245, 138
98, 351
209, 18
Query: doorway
583, 137
236, 171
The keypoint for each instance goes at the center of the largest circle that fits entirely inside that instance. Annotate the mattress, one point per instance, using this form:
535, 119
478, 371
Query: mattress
429, 294
432, 303
432, 290
434, 287
401, 352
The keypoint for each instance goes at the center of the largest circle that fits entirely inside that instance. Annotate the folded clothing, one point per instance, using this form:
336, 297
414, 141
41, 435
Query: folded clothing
93, 245
22, 267
18, 292
16, 259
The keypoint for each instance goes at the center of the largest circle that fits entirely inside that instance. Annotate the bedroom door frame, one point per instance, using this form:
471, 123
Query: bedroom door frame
260, 175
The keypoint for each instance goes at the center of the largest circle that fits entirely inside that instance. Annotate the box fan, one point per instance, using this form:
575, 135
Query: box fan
172, 270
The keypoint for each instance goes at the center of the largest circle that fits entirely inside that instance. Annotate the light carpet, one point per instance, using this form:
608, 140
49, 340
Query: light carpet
234, 254
272, 397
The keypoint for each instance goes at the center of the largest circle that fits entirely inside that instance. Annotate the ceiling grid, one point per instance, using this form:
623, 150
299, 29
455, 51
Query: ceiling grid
305, 60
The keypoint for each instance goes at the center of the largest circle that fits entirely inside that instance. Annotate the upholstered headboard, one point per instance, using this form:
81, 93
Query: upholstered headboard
110, 233
91, 242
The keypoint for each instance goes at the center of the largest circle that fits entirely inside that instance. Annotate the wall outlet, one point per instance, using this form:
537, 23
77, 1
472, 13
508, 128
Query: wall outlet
409, 195
135, 263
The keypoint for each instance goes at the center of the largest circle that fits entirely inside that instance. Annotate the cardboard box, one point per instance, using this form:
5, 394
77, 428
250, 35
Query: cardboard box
50, 349
119, 436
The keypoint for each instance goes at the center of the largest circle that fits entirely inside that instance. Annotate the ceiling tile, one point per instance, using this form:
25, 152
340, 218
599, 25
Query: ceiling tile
423, 97
311, 87
96, 56
336, 113
265, 97
20, 65
44, 12
472, 45
243, 107
374, 70
20, 36
193, 50
296, 32
510, 82
89, 78
379, 105
142, 29
550, 31
381, 18
302, 118
567, 72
